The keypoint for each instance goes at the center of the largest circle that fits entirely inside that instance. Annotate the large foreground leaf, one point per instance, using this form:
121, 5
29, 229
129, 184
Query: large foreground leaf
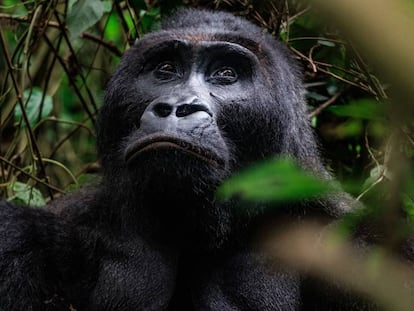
273, 181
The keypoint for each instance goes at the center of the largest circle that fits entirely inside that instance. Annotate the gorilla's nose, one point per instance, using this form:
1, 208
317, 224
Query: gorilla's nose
176, 115
164, 110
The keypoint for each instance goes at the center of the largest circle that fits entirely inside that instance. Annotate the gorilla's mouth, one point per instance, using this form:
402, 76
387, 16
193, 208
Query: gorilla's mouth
169, 142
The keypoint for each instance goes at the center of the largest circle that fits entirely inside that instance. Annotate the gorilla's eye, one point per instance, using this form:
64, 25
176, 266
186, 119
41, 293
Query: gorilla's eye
166, 71
166, 67
225, 75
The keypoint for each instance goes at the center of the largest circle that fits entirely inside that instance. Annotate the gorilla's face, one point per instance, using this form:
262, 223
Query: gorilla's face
182, 104
187, 86
194, 102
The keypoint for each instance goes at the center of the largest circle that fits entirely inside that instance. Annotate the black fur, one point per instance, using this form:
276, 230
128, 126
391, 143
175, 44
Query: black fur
151, 235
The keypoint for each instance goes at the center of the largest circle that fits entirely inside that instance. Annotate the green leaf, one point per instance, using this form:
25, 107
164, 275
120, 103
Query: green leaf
351, 128
26, 194
408, 205
327, 43
107, 4
278, 180
362, 109
314, 121
84, 14
33, 104
150, 20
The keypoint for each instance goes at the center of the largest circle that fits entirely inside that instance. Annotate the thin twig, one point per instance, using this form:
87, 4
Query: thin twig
30, 133
326, 104
24, 19
40, 181
75, 59
71, 80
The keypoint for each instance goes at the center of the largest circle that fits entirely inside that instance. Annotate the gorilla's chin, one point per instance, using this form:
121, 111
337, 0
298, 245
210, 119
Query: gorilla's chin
171, 144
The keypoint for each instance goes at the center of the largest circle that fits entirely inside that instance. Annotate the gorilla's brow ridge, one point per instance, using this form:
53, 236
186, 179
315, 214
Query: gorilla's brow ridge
154, 39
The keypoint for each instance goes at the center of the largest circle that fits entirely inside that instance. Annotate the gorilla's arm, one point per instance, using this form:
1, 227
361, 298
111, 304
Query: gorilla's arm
36, 255
55, 261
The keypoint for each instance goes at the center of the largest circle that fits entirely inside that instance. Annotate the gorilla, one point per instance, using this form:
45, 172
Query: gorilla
189, 105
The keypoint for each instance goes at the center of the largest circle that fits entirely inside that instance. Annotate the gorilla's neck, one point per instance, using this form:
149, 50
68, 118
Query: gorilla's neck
188, 211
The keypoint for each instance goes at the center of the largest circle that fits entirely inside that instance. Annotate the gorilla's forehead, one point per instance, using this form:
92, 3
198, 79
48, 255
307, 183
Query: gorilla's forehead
202, 39
202, 49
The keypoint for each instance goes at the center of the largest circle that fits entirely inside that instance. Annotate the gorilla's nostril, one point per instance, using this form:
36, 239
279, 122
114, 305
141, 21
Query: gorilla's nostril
187, 109
162, 110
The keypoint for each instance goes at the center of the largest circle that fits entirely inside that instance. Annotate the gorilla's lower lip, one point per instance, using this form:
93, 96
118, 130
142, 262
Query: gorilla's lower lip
165, 142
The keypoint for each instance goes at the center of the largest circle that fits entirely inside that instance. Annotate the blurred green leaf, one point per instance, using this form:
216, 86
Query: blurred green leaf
327, 43
351, 128
363, 109
314, 121
112, 31
377, 129
107, 5
27, 195
34, 108
408, 205
275, 181
150, 20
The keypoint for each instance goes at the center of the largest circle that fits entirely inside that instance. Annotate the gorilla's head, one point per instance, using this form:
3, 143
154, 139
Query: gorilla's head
191, 103
208, 92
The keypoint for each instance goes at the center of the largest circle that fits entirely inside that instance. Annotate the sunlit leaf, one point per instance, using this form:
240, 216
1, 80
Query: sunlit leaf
314, 121
327, 43
275, 181
33, 106
27, 195
362, 109
112, 31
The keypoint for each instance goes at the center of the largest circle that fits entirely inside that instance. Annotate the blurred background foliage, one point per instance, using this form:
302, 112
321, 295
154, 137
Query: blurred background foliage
56, 57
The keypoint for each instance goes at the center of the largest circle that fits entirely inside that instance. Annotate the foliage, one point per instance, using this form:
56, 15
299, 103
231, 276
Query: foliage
279, 180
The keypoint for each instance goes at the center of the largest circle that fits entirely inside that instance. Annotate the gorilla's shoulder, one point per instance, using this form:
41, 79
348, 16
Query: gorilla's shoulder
76, 202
